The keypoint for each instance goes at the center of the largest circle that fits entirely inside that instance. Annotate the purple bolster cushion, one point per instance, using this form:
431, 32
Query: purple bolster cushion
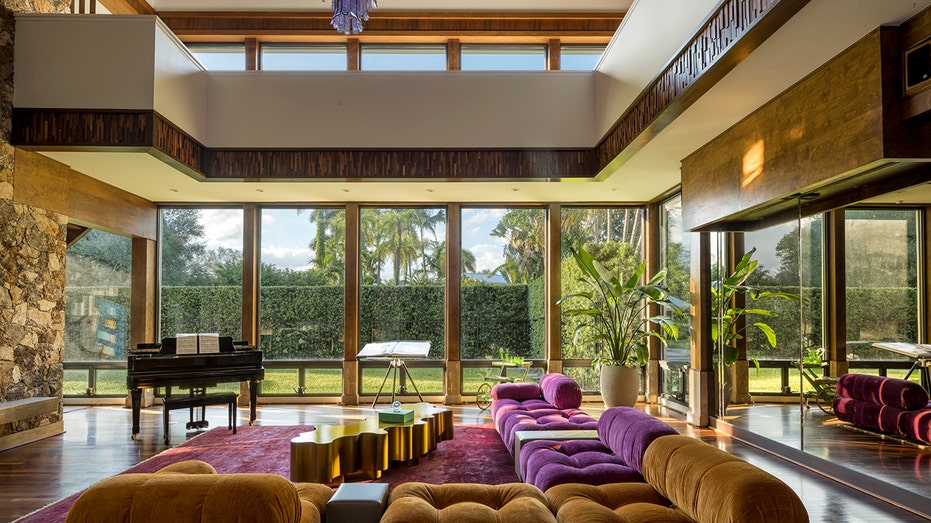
628, 432
894, 392
524, 390
561, 391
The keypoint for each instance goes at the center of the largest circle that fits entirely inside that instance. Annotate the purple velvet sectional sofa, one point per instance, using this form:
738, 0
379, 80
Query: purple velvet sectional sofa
624, 434
889, 405
551, 405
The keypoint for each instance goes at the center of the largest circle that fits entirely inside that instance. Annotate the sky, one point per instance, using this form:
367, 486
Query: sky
286, 235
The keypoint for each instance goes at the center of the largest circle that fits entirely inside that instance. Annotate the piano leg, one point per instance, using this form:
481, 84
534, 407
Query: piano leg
253, 394
136, 398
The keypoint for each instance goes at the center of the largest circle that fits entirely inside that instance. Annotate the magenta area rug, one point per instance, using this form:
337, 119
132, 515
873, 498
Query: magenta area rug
476, 454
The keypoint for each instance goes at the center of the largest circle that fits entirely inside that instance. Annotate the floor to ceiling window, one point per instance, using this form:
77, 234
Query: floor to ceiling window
613, 236
98, 272
675, 252
502, 299
201, 271
403, 294
301, 300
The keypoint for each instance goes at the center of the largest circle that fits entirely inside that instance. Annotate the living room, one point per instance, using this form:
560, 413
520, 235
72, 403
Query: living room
121, 188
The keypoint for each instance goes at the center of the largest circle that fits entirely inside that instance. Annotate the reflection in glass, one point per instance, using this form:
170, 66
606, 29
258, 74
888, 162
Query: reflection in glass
882, 280
98, 272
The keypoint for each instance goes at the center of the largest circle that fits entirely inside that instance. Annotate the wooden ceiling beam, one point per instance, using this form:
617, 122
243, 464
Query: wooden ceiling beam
419, 26
128, 7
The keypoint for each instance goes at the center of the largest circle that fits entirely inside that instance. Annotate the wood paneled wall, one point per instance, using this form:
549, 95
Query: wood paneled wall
831, 124
47, 184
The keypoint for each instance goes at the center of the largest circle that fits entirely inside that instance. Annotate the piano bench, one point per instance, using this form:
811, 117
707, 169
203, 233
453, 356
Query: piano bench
199, 400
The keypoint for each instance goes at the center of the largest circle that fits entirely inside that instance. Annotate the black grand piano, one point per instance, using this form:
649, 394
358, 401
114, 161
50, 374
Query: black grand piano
158, 365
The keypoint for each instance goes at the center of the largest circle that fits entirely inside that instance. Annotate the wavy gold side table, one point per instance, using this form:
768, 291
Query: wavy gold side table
329, 452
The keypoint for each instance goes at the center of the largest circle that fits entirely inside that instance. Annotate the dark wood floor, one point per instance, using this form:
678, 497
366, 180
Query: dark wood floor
97, 444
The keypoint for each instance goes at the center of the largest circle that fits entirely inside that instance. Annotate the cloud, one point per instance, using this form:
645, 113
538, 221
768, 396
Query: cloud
294, 258
222, 228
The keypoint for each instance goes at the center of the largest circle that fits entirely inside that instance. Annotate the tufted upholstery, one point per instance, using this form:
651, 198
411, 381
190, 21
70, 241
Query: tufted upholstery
624, 435
561, 391
192, 491
467, 503
890, 405
552, 405
687, 480
542, 419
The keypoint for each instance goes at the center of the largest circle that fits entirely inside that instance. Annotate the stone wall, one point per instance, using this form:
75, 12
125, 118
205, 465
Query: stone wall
32, 257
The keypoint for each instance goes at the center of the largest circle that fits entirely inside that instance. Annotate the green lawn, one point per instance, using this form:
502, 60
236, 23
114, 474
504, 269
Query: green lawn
428, 381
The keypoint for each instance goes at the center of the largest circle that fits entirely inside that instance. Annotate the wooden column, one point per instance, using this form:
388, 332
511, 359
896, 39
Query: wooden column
701, 369
553, 288
252, 54
142, 328
835, 297
352, 280
453, 375
553, 55
651, 255
453, 55
251, 239
353, 54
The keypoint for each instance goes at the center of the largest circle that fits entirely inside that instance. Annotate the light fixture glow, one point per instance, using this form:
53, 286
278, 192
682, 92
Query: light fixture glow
348, 15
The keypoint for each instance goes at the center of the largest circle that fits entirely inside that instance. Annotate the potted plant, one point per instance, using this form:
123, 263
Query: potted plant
614, 313
726, 329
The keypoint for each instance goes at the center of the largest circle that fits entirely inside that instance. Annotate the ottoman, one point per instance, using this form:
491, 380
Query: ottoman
357, 503
467, 503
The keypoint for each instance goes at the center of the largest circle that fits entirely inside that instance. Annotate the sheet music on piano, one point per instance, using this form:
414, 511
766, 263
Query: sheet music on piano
186, 343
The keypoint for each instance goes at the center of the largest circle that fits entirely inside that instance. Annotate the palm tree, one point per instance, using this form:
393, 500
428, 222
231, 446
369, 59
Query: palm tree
522, 230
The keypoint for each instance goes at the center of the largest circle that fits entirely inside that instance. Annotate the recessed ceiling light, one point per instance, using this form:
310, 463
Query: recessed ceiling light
260, 190
514, 189
429, 190
345, 190
173, 190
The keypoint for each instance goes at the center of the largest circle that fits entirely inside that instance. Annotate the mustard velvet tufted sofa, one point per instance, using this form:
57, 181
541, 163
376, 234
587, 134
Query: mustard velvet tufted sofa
467, 503
687, 480
193, 492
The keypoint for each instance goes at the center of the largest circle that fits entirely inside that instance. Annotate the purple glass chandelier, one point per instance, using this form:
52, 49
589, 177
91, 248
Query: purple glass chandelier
348, 15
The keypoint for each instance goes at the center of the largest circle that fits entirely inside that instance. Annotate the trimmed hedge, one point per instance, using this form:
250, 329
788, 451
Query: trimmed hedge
307, 322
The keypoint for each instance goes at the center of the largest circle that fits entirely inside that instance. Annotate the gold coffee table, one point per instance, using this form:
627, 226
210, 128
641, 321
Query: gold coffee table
369, 446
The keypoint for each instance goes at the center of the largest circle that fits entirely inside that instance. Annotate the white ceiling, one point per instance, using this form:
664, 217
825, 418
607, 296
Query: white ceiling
637, 53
